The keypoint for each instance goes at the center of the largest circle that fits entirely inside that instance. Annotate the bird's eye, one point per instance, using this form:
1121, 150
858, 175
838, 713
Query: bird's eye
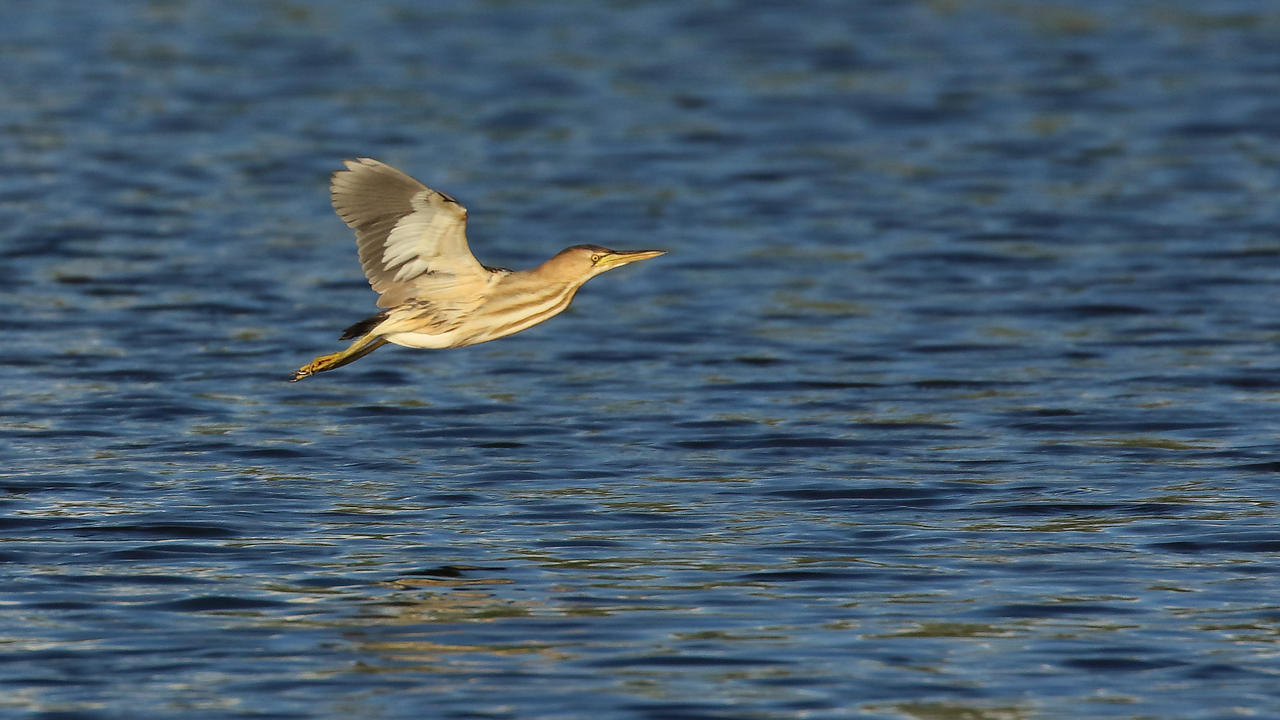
595, 258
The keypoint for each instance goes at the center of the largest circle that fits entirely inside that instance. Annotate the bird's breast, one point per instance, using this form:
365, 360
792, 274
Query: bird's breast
508, 313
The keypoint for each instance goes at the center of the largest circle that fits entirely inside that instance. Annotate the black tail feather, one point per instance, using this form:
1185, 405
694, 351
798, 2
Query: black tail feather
363, 326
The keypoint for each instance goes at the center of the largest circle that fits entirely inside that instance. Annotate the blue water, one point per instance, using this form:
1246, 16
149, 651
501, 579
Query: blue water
955, 399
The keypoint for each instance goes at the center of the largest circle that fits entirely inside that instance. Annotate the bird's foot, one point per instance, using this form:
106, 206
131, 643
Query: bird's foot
320, 364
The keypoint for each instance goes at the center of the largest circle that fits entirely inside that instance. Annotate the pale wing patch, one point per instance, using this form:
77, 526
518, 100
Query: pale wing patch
430, 240
409, 252
404, 230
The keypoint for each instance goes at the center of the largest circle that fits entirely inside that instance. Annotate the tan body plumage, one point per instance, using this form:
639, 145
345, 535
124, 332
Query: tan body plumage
435, 294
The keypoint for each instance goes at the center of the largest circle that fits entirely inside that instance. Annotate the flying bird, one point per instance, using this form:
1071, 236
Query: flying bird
433, 292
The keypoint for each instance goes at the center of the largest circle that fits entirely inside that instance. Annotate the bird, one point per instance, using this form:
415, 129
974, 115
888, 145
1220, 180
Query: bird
433, 293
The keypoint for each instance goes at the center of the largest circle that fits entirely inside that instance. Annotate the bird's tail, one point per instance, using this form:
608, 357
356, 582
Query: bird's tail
354, 352
364, 326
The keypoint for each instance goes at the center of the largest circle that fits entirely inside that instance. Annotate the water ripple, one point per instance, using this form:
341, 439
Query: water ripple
954, 397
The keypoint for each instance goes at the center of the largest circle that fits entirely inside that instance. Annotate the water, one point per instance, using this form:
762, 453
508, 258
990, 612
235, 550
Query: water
955, 397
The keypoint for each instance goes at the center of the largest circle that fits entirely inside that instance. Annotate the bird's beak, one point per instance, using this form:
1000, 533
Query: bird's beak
618, 258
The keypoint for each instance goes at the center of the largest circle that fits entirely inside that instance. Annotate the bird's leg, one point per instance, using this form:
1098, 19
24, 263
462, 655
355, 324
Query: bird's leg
355, 351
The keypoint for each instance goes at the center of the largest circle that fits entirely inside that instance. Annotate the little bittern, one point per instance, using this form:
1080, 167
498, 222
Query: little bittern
434, 293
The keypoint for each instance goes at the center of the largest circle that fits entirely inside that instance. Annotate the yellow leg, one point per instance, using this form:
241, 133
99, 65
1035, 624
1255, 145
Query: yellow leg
354, 352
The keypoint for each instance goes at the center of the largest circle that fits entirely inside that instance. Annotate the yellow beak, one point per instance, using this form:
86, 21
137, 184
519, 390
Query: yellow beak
618, 258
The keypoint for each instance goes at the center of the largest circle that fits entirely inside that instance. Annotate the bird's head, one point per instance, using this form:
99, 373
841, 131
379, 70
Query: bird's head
580, 263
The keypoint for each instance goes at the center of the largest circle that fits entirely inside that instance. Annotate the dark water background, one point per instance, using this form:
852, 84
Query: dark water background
956, 398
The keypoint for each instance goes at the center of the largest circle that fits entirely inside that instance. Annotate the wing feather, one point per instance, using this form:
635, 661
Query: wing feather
411, 239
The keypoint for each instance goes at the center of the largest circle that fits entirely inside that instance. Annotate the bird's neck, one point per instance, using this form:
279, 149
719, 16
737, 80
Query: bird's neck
548, 274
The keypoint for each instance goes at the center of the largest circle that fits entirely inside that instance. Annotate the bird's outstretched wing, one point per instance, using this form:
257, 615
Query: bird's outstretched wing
411, 238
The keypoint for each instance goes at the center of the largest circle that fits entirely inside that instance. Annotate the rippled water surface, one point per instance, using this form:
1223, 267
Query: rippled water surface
955, 399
